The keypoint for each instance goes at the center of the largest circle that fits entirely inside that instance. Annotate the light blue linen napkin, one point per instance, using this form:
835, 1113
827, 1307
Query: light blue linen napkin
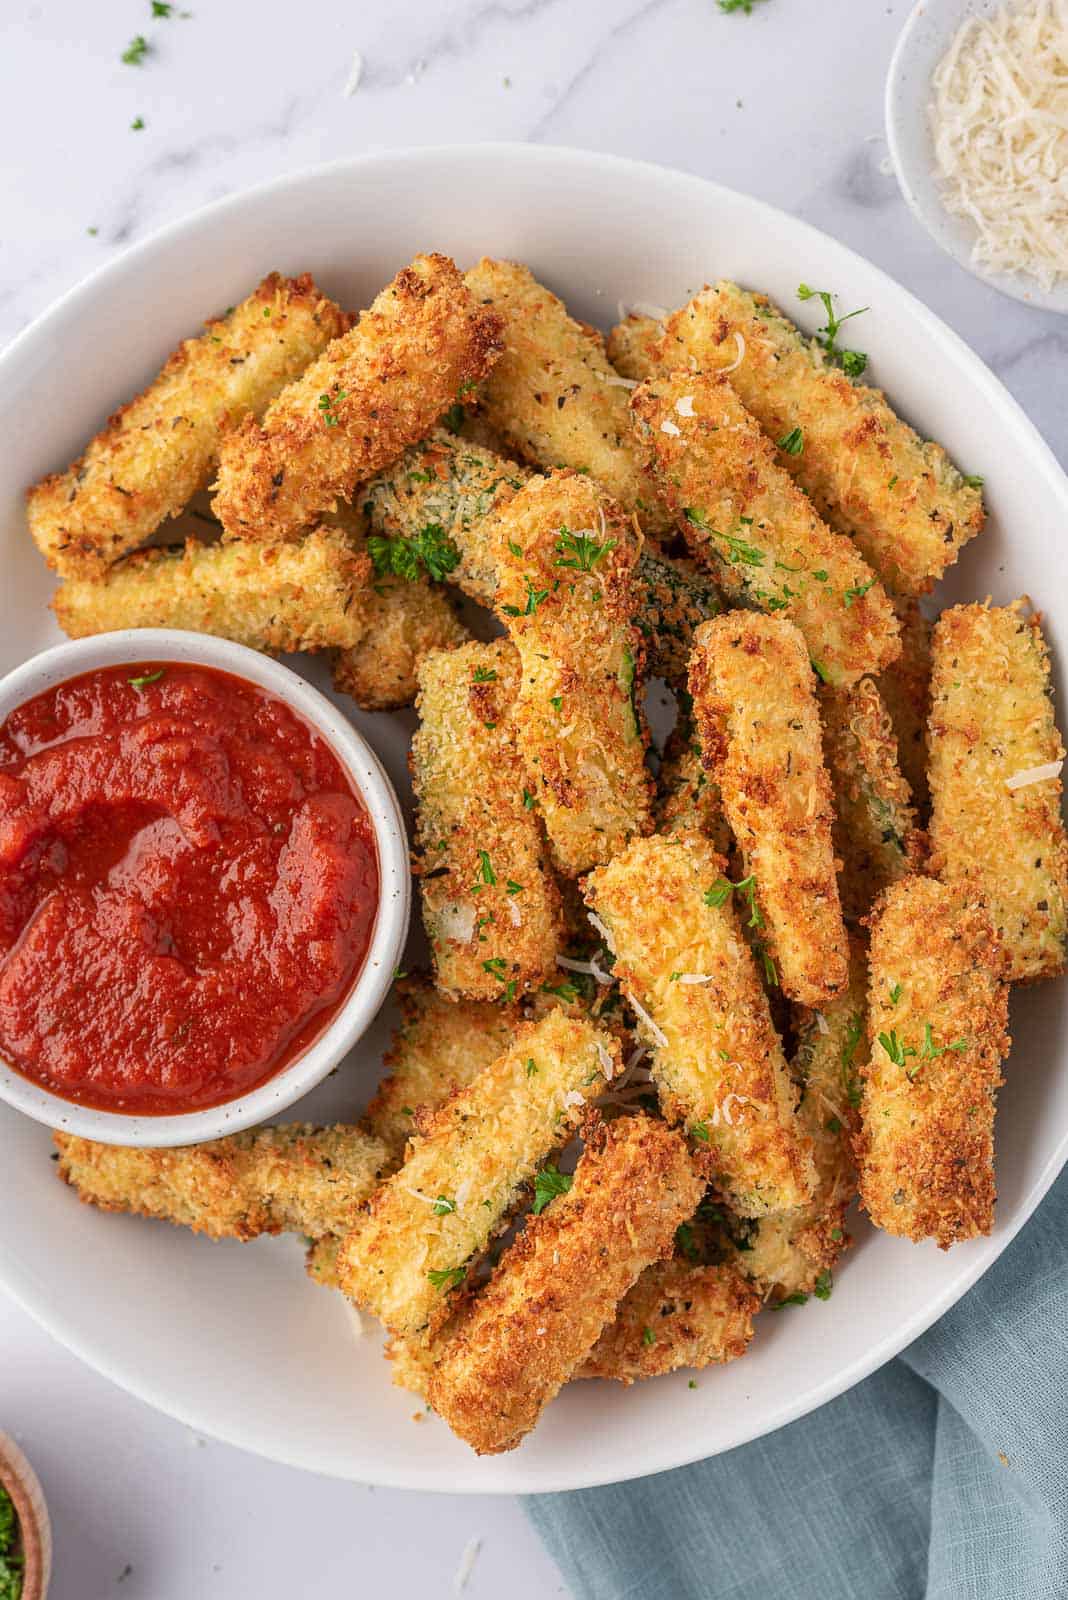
944, 1476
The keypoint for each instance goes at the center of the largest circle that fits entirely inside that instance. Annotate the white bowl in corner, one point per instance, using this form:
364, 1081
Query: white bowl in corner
372, 983
923, 41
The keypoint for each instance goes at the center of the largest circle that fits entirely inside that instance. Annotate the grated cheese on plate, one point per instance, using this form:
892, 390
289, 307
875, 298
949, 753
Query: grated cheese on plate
999, 120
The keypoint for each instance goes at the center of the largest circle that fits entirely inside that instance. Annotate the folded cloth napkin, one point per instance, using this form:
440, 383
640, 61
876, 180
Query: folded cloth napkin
944, 1476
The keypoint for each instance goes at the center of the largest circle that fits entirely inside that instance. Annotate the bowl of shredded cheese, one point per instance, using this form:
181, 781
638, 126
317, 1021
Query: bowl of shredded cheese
977, 124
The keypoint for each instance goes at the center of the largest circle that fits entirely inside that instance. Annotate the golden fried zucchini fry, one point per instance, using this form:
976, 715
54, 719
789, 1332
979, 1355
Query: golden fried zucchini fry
558, 1285
157, 451
634, 347
794, 1252
995, 758
937, 1015
405, 622
446, 487
490, 902
464, 1174
868, 473
675, 1316
905, 686
554, 394
687, 971
746, 519
759, 726
874, 820
440, 1046
378, 388
312, 595
293, 1179
565, 557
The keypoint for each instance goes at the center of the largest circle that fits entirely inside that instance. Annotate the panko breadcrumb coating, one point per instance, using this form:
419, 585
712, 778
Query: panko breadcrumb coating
404, 623
992, 726
794, 1252
490, 902
554, 394
293, 1179
746, 519
634, 347
686, 969
157, 451
905, 686
464, 1173
565, 556
312, 595
688, 797
759, 727
558, 1285
868, 473
937, 1017
439, 1046
874, 830
378, 388
675, 1316
448, 487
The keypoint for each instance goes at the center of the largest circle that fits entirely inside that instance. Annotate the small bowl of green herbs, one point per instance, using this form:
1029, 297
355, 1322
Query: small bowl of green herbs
25, 1531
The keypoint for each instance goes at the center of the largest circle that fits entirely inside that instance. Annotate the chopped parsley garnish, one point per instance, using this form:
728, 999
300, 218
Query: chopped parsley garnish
852, 362
511, 887
496, 966
823, 1285
900, 1052
443, 1206
528, 800
532, 1066
453, 419
556, 701
137, 124
699, 1131
685, 1241
430, 551
797, 1299
836, 1233
695, 516
739, 551
447, 1277
147, 677
833, 1125
857, 591
771, 976
929, 1051
820, 670
485, 675
729, 7
722, 889
648, 1336
547, 1185
327, 402
136, 50
484, 874
854, 1031
580, 550
793, 442
161, 8
973, 480
895, 1048
534, 600
563, 991
895, 993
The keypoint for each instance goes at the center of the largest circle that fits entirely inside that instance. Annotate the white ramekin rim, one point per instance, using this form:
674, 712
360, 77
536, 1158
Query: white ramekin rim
134, 645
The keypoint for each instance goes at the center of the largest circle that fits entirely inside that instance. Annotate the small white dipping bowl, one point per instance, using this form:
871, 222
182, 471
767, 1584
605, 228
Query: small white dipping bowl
133, 646
923, 41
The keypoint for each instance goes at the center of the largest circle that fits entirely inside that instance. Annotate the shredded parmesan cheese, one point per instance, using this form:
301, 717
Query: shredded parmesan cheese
600, 928
607, 1064
352, 82
740, 357
667, 426
694, 977
999, 120
1023, 780
646, 308
657, 1033
467, 1562
458, 922
684, 405
614, 381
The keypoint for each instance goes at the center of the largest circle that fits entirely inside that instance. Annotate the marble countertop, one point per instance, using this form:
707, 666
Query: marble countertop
786, 104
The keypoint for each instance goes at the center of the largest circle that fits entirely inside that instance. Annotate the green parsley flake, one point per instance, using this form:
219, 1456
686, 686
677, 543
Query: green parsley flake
547, 1185
895, 994
534, 600
443, 1206
447, 1277
408, 557
729, 7
136, 51
146, 678
327, 402
580, 550
857, 591
648, 1337
823, 1285
973, 480
485, 874
852, 362
137, 124
793, 442
485, 675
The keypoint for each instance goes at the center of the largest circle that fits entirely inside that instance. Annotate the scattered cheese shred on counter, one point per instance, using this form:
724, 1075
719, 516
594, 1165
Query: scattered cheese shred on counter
999, 119
467, 1562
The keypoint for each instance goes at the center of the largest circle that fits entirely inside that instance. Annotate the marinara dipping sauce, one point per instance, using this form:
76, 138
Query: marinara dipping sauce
188, 887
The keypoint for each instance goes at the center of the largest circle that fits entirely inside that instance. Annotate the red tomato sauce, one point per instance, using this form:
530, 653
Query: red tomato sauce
188, 887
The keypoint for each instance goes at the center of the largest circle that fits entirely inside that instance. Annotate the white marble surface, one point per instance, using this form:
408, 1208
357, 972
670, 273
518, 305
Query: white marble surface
785, 103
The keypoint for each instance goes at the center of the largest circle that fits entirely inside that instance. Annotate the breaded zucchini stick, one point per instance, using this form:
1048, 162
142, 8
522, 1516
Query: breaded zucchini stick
687, 971
565, 557
868, 473
378, 388
554, 394
490, 902
293, 1179
440, 1046
874, 820
937, 1016
746, 519
312, 595
688, 797
794, 1252
558, 1286
675, 1316
465, 1173
759, 727
635, 347
448, 487
905, 686
155, 453
405, 622
995, 761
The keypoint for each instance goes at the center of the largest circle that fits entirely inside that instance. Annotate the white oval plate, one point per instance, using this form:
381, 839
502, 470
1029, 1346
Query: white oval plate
232, 1338
923, 41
